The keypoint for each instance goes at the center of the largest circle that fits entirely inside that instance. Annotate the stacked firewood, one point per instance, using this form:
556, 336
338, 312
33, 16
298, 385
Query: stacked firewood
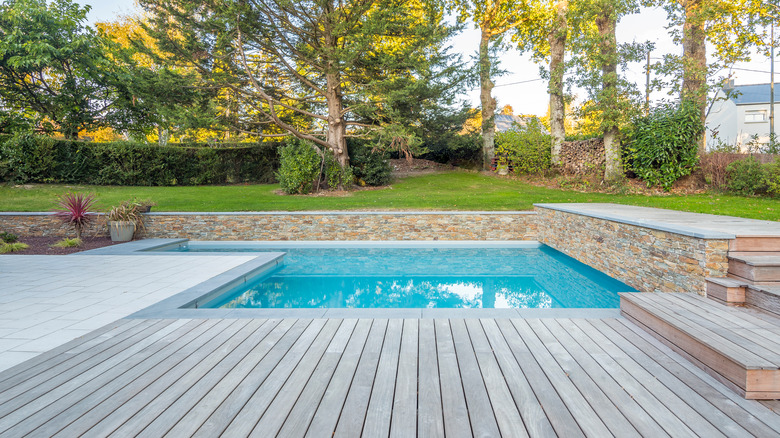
582, 157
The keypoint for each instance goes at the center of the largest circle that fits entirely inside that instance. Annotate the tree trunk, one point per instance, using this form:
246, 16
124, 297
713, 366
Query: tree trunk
337, 128
488, 102
694, 86
606, 23
557, 40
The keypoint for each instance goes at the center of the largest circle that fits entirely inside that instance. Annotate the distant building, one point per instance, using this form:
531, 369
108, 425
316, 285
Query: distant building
504, 122
740, 112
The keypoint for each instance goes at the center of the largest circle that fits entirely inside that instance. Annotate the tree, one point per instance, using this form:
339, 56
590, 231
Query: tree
493, 18
55, 66
612, 99
544, 32
310, 68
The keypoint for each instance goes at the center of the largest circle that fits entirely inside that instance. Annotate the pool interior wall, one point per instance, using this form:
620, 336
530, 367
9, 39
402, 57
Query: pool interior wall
433, 274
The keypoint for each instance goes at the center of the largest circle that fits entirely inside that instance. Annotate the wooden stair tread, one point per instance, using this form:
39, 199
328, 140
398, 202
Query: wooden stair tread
734, 345
727, 282
756, 260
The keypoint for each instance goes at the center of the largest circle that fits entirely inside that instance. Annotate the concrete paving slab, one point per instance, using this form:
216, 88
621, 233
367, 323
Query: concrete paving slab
46, 301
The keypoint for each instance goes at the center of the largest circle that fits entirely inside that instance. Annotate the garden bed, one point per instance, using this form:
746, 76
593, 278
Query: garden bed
43, 245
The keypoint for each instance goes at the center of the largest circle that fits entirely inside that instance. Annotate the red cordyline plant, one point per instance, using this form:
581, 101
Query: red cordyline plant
75, 209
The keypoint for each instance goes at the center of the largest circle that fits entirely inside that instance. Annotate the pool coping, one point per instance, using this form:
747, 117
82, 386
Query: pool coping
174, 306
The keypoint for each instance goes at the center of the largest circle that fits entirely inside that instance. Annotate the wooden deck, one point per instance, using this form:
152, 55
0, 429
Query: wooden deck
372, 377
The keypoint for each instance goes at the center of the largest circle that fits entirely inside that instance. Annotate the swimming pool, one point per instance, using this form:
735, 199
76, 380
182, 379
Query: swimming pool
415, 275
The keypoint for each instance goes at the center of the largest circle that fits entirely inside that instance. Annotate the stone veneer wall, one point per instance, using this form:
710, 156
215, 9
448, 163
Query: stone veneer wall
646, 259
307, 226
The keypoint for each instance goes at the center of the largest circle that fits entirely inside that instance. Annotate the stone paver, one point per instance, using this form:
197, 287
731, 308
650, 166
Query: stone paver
46, 301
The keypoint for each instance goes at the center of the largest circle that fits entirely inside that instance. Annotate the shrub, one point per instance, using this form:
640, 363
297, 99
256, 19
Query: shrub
68, 243
299, 167
713, 167
8, 237
12, 247
746, 177
335, 175
76, 210
662, 147
772, 175
368, 166
38, 159
527, 147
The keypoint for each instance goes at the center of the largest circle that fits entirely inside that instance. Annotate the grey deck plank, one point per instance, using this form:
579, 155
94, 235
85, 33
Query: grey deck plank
60, 413
722, 398
508, 418
380, 405
326, 417
319, 334
29, 401
180, 397
215, 424
736, 352
205, 407
42, 375
119, 392
57, 355
319, 363
216, 336
481, 413
766, 336
456, 414
404, 409
683, 418
530, 372
576, 404
353, 412
536, 422
430, 418
609, 411
680, 388
619, 392
330, 372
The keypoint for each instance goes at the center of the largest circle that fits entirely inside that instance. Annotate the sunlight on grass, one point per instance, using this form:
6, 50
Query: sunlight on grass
458, 190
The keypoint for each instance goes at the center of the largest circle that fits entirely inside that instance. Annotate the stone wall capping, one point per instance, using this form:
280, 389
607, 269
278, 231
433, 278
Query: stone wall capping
699, 233
297, 213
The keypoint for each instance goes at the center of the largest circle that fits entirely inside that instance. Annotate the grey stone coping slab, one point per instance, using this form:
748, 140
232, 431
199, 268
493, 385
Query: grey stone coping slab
699, 225
135, 247
298, 213
204, 245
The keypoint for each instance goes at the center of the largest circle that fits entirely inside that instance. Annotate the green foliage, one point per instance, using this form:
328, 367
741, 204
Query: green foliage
8, 237
369, 167
40, 159
527, 147
5, 248
299, 167
661, 147
56, 70
746, 177
68, 243
772, 177
337, 176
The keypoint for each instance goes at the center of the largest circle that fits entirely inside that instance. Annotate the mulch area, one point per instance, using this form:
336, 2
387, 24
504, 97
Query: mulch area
42, 245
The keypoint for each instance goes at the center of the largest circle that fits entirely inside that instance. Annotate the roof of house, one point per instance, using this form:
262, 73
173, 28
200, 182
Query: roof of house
504, 122
751, 94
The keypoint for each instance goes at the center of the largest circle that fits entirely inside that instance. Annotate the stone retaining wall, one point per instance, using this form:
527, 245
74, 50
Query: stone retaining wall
306, 226
646, 259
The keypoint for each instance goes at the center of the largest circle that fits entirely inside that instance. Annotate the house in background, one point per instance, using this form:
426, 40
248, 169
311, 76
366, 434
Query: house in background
739, 113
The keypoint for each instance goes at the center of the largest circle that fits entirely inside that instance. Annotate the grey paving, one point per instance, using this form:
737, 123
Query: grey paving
705, 226
46, 301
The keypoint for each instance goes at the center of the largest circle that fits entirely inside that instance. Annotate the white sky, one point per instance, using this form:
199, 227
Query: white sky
529, 97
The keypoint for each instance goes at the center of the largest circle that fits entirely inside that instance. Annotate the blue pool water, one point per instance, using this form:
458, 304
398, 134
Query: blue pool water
439, 277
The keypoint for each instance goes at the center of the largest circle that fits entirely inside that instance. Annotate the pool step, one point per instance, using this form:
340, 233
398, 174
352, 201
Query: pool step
738, 346
730, 291
755, 244
755, 267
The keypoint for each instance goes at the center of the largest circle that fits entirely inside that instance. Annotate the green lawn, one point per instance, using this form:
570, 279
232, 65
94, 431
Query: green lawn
445, 191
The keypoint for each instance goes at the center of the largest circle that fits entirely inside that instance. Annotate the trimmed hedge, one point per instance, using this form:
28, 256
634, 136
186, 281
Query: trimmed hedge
37, 159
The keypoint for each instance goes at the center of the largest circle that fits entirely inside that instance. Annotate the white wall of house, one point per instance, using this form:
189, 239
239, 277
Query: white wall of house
734, 124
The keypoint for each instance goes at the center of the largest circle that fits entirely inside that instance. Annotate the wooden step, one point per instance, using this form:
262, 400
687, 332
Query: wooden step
755, 268
766, 298
725, 290
755, 243
739, 347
